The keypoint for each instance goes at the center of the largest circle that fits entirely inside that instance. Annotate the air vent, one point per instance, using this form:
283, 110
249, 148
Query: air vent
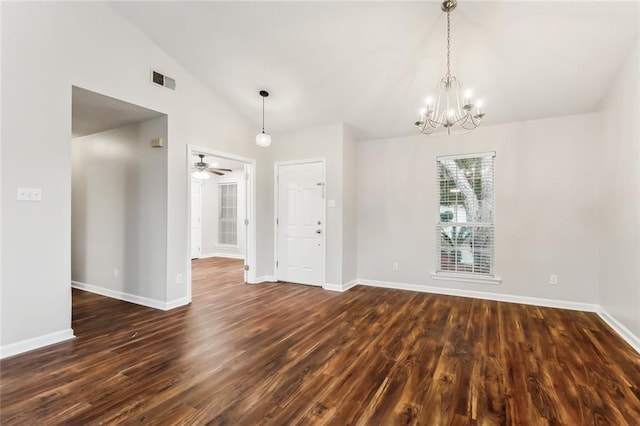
162, 80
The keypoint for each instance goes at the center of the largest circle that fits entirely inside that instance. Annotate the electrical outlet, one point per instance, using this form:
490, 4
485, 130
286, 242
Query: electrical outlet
553, 279
395, 266
179, 278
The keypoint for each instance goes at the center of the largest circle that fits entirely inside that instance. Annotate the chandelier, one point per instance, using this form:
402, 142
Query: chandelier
451, 109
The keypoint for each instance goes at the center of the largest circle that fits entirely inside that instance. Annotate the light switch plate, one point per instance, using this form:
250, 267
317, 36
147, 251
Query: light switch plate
29, 194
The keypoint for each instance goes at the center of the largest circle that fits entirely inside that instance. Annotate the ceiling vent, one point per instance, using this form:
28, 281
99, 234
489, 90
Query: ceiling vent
162, 80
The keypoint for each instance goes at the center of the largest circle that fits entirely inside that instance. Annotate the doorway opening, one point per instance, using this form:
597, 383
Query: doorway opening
222, 231
118, 199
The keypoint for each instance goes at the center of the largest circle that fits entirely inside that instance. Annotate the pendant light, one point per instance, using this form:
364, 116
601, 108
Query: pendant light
263, 139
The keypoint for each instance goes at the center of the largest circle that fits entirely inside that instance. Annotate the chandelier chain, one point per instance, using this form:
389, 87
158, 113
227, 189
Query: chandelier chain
448, 45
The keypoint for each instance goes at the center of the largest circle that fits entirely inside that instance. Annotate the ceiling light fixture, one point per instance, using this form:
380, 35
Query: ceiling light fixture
200, 171
263, 139
452, 109
200, 174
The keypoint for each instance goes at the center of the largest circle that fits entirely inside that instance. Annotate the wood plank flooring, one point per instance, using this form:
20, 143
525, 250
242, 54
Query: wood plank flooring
286, 354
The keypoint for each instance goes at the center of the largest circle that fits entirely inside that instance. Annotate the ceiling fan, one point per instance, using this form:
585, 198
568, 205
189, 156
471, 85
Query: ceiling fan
201, 168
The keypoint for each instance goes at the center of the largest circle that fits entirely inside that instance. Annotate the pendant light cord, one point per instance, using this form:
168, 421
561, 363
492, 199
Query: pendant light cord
263, 114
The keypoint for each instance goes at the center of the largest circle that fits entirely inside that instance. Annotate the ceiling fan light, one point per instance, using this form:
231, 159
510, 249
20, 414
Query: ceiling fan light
263, 139
200, 174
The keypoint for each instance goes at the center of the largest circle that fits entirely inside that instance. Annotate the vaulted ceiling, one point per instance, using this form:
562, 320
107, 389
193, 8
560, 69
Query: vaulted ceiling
371, 64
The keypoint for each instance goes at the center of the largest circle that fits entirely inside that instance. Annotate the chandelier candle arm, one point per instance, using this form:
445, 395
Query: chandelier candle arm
451, 109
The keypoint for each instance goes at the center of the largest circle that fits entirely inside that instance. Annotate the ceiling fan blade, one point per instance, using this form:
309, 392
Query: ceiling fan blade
219, 169
216, 172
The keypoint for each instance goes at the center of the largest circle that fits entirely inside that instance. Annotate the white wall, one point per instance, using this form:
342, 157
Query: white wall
350, 208
119, 210
47, 48
546, 207
619, 168
210, 215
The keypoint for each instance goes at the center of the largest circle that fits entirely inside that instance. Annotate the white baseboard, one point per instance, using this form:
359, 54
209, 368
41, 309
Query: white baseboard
225, 255
536, 301
183, 301
332, 287
618, 327
35, 343
350, 284
340, 287
264, 278
132, 298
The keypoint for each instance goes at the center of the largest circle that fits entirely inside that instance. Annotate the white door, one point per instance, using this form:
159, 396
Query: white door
196, 220
300, 223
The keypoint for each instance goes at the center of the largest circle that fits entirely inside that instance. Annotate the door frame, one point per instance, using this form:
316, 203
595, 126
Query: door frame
276, 187
250, 257
199, 182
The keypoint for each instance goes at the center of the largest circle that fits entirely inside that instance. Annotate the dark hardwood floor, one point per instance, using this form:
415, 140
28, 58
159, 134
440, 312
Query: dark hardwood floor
290, 354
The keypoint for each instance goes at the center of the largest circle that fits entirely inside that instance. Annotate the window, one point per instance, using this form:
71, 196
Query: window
228, 217
465, 226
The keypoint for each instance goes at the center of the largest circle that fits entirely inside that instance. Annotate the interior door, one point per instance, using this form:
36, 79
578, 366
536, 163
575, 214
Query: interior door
300, 223
196, 219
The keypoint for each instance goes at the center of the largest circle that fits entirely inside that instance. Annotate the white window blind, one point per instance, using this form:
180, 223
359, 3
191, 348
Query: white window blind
228, 216
465, 227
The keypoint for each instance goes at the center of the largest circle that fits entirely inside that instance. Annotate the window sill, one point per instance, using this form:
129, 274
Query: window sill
446, 276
